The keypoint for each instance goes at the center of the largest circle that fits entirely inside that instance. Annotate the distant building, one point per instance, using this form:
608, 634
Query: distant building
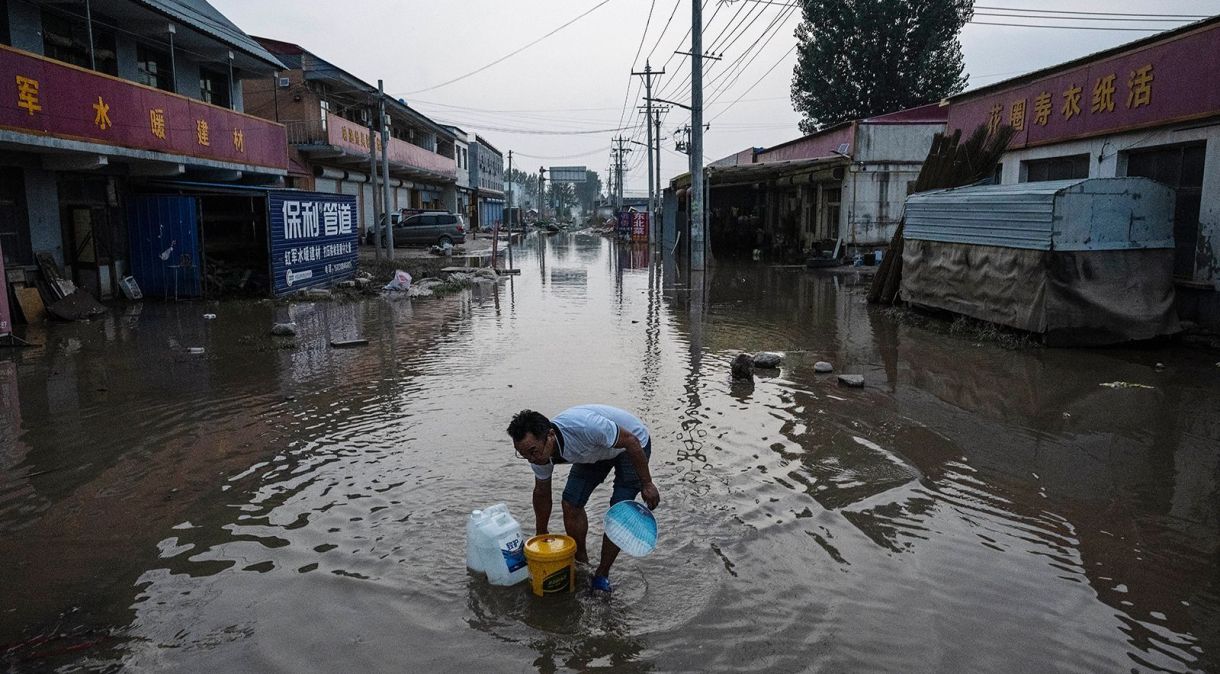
487, 178
465, 192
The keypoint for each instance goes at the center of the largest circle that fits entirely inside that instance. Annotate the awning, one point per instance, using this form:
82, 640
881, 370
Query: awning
793, 171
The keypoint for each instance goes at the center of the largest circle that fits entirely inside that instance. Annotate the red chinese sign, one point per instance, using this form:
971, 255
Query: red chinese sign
355, 138
1156, 84
50, 98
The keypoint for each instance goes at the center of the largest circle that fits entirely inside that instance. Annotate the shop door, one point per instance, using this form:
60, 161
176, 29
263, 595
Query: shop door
88, 230
1180, 167
14, 223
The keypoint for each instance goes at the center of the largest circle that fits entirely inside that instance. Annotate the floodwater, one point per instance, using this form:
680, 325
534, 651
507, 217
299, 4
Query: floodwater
261, 508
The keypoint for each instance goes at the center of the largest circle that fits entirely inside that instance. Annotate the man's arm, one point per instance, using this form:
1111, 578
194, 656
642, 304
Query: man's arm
542, 506
639, 461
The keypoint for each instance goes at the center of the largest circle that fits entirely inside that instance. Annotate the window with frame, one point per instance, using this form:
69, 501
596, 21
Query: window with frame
214, 88
153, 68
1056, 168
65, 37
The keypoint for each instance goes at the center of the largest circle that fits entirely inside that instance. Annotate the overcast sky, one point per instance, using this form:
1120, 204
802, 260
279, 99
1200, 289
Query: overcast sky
577, 80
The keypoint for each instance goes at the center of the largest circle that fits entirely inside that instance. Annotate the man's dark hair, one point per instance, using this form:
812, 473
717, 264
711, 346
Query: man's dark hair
528, 421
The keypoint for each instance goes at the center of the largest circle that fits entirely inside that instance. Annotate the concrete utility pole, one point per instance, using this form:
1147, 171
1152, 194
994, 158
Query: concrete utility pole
385, 169
652, 197
377, 207
660, 206
509, 219
696, 145
619, 168
542, 193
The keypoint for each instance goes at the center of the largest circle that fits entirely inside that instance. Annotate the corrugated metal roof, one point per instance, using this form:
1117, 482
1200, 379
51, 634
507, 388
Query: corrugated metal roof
205, 18
1083, 214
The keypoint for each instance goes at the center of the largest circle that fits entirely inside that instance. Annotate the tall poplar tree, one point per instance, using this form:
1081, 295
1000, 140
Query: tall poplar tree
859, 58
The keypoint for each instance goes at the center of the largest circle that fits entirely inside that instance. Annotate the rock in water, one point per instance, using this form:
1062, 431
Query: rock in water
743, 367
822, 367
853, 380
767, 359
284, 329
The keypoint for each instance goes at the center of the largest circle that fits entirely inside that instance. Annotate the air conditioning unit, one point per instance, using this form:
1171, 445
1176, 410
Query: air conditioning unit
284, 82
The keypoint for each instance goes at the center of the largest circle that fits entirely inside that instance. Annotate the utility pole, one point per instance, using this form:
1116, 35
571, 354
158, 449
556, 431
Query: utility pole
696, 145
509, 219
619, 168
652, 203
542, 193
377, 208
385, 169
660, 208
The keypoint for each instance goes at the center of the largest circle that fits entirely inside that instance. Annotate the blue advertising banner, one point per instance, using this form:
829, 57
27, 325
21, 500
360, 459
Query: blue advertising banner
312, 237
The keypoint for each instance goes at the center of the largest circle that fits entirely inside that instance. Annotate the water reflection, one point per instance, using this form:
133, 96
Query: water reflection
277, 504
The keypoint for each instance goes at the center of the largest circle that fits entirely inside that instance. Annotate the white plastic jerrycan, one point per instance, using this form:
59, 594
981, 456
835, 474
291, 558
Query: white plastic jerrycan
503, 549
475, 541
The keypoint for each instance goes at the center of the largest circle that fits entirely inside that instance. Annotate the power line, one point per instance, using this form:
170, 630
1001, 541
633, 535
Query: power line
1065, 11
1072, 18
751, 87
512, 53
1032, 25
662, 34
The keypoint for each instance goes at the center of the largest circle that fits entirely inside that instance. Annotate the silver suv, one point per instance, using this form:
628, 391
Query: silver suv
437, 227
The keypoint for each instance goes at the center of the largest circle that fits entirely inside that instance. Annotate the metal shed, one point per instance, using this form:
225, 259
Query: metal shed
1085, 261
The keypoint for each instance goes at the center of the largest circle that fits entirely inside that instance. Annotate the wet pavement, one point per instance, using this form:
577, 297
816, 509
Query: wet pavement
278, 505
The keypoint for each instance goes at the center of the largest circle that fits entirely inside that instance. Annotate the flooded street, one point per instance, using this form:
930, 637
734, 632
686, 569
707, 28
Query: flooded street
262, 508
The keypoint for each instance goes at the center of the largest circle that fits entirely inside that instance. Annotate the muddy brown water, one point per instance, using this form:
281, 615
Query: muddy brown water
261, 508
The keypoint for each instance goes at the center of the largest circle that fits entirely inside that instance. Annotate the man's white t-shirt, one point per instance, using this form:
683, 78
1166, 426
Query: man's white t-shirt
589, 433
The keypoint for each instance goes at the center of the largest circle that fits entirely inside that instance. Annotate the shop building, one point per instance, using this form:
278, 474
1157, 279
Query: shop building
1149, 108
100, 103
487, 179
461, 153
844, 183
331, 117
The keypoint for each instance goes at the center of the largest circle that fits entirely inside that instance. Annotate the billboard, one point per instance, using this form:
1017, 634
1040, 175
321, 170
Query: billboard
568, 174
6, 319
312, 239
49, 98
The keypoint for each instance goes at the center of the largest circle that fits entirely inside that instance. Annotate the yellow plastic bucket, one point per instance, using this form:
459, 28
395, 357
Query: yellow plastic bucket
552, 562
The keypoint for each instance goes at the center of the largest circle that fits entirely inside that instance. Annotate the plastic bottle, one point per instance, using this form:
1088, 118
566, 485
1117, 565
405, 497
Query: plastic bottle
503, 547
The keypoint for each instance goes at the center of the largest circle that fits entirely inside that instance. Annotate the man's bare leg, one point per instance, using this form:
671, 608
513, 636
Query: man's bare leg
609, 554
576, 524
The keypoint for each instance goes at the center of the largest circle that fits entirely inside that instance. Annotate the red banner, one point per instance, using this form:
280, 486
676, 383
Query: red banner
6, 318
49, 98
1155, 84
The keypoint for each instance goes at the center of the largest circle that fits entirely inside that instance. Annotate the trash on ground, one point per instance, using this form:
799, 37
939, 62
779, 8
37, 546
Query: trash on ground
852, 380
284, 329
348, 343
195, 350
401, 282
76, 306
209, 317
1125, 384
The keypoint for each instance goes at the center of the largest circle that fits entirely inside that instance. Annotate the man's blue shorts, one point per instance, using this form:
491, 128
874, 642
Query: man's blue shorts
584, 478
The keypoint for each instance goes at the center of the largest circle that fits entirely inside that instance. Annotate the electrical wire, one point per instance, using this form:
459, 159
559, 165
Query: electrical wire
1066, 11
512, 53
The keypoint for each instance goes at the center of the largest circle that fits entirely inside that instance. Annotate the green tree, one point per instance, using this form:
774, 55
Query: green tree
859, 58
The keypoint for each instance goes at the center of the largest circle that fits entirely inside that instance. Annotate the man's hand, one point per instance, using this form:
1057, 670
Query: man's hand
652, 497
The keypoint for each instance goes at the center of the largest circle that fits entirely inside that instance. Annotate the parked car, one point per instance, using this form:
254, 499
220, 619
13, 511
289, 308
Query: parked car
431, 228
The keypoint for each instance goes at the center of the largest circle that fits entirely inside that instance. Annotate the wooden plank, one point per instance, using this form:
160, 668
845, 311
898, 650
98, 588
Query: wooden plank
31, 304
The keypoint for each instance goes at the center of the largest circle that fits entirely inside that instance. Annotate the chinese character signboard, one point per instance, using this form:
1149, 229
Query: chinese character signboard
313, 239
355, 138
49, 98
568, 174
6, 319
632, 225
1156, 84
